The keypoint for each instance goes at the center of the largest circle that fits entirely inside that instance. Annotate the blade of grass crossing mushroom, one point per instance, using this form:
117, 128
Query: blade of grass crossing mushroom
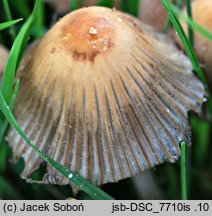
185, 41
190, 30
3, 128
168, 22
9, 17
171, 9
93, 191
190, 52
183, 171
4, 122
14, 95
5, 25
15, 55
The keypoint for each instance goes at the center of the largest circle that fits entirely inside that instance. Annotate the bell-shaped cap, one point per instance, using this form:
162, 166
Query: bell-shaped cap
105, 96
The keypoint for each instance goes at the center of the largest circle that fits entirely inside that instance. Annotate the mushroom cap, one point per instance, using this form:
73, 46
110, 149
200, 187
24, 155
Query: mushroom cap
202, 14
105, 96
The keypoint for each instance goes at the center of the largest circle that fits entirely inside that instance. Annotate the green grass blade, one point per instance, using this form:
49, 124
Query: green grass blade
201, 131
9, 17
8, 24
93, 191
23, 7
3, 122
190, 30
15, 55
207, 34
38, 30
178, 3
14, 94
186, 44
183, 171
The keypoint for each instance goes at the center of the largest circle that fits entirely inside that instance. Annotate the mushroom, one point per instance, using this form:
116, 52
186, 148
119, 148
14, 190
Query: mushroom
202, 14
104, 95
4, 53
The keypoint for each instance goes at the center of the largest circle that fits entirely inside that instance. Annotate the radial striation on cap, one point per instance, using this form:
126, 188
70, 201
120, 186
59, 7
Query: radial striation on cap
105, 96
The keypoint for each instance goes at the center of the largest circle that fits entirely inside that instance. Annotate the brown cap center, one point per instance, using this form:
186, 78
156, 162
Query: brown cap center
88, 35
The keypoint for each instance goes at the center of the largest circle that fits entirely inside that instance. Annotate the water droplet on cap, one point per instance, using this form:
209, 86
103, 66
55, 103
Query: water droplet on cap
93, 31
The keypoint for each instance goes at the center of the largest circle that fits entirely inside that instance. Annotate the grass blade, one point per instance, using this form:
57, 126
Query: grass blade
9, 17
183, 171
39, 24
190, 30
8, 24
14, 94
23, 7
3, 122
186, 44
93, 191
15, 55
3, 128
201, 131
167, 26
